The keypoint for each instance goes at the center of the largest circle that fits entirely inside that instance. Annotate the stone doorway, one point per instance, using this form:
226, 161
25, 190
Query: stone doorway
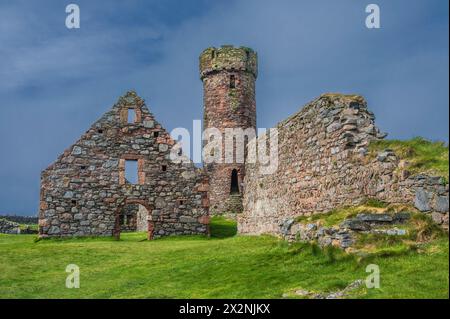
234, 187
132, 215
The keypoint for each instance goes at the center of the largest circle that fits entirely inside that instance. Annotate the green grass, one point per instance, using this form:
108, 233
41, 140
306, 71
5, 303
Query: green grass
423, 156
33, 227
330, 218
420, 228
223, 266
222, 227
338, 215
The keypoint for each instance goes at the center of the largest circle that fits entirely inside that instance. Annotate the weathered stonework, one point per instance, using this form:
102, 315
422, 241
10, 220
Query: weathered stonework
85, 192
343, 235
9, 227
228, 76
324, 164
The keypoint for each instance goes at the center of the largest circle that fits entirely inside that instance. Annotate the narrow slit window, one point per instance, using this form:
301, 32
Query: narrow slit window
131, 171
131, 115
155, 134
234, 182
164, 168
232, 81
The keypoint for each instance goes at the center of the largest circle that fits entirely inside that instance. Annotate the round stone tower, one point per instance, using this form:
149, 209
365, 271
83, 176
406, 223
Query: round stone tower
228, 75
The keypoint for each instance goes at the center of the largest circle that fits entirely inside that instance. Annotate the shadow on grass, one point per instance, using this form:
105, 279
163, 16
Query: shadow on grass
221, 227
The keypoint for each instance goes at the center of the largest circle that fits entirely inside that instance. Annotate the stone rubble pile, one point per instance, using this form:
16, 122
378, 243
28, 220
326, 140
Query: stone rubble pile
9, 227
343, 235
331, 295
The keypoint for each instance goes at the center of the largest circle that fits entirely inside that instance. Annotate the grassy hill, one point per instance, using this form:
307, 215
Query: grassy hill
223, 266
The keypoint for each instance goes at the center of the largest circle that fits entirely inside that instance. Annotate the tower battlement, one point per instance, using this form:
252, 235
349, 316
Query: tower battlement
228, 58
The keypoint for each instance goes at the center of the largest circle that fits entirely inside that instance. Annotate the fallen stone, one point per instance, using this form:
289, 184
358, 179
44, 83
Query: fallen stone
374, 218
437, 217
285, 226
422, 200
441, 204
355, 224
401, 217
332, 295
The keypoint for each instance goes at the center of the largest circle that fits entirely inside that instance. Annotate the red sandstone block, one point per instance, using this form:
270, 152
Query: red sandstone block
205, 219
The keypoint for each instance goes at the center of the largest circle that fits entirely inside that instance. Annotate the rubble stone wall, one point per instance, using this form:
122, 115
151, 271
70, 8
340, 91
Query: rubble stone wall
9, 227
324, 163
84, 192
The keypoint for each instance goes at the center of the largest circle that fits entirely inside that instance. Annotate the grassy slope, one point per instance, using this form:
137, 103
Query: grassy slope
423, 156
196, 267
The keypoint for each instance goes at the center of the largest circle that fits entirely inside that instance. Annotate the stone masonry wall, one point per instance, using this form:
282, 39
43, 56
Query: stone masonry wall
84, 192
9, 227
324, 164
228, 75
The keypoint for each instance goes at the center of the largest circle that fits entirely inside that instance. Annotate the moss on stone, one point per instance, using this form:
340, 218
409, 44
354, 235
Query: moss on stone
228, 58
420, 156
336, 216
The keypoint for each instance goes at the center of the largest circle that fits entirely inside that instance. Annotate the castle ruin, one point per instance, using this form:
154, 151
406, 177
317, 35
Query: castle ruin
323, 163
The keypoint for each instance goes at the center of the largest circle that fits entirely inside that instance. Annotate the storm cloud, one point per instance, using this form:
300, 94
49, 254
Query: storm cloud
55, 82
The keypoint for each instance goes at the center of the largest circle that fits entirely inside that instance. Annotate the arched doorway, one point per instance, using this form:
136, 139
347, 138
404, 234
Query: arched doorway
234, 187
132, 215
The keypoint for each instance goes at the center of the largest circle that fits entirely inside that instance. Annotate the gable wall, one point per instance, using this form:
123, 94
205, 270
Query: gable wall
83, 192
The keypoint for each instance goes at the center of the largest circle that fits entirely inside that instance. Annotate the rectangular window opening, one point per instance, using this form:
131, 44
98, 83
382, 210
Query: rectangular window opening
164, 168
232, 82
131, 171
131, 115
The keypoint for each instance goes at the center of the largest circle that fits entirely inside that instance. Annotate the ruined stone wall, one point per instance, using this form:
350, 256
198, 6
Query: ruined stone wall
85, 190
9, 227
324, 164
228, 76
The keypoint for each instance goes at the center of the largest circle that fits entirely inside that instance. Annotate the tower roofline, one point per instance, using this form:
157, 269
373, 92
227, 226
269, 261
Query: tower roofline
228, 58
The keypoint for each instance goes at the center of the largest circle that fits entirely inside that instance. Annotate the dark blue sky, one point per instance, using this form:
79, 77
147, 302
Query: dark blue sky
55, 82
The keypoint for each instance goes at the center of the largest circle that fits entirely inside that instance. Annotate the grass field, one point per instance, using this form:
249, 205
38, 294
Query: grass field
223, 266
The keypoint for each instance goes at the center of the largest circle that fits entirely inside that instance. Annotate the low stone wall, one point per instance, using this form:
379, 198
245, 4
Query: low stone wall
324, 163
343, 235
8, 227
